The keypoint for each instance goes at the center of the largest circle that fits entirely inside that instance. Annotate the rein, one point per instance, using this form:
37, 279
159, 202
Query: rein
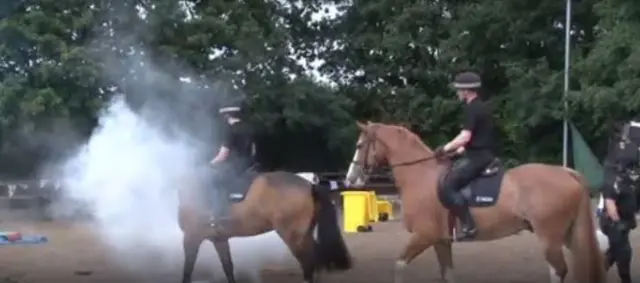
407, 163
371, 138
412, 162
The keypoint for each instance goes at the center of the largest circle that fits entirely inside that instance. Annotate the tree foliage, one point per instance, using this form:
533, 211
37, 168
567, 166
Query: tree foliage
308, 78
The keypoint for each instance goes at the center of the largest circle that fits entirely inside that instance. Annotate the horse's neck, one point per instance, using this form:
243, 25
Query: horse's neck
420, 175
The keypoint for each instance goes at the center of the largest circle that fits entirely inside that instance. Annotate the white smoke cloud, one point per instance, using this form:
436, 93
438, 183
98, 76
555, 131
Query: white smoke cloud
127, 175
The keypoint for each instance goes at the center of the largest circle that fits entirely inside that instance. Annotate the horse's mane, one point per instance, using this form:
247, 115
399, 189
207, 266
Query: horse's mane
412, 137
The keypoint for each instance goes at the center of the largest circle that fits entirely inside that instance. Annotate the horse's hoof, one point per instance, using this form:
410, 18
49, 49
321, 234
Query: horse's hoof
83, 272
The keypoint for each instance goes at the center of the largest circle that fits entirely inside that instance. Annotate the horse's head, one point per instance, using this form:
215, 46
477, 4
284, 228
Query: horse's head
372, 149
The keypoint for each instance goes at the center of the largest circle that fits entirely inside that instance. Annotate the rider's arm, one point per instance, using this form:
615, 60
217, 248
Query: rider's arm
465, 135
609, 191
223, 152
459, 141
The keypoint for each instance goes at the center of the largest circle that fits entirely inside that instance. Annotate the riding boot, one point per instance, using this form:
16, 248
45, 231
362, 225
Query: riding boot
222, 211
219, 221
468, 227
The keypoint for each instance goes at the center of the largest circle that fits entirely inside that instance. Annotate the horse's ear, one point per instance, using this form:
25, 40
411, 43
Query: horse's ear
361, 126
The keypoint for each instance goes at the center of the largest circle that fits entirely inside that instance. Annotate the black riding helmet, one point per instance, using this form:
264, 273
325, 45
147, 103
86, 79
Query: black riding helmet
467, 80
231, 109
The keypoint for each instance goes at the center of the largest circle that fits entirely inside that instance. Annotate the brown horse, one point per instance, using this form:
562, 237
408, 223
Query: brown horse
280, 201
550, 201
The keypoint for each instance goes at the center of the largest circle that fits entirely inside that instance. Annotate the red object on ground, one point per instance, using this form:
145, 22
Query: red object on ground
11, 236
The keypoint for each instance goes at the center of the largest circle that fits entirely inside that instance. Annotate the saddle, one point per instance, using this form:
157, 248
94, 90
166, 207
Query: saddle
483, 191
239, 187
493, 168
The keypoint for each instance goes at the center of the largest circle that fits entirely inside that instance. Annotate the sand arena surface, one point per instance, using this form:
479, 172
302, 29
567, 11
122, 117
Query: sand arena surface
75, 254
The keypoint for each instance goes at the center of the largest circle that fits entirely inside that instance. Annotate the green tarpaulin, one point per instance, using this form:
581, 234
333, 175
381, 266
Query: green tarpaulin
584, 161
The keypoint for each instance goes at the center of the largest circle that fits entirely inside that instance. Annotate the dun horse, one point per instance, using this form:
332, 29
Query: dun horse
280, 201
550, 201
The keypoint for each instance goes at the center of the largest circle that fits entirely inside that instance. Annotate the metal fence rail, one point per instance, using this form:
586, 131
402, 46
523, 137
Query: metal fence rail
34, 197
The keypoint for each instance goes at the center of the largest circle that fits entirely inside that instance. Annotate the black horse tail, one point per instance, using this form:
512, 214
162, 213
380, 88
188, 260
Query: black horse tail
331, 252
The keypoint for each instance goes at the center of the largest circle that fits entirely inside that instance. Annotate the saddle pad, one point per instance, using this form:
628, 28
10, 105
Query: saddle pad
484, 191
309, 176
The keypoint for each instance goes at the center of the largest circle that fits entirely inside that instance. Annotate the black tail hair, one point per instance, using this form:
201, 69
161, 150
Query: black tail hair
331, 252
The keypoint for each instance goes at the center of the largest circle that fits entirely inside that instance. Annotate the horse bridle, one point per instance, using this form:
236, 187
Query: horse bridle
369, 144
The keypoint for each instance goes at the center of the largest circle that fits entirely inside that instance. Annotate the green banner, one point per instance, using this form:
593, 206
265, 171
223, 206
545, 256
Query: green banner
585, 162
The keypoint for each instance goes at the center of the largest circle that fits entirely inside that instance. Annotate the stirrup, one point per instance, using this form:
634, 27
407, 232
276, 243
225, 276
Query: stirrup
219, 221
466, 234
216, 221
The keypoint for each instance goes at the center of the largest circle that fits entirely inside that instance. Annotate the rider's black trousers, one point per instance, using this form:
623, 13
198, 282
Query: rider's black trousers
466, 168
224, 181
620, 251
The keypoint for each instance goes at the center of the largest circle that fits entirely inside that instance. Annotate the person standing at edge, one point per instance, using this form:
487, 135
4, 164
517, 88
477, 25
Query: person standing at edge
619, 198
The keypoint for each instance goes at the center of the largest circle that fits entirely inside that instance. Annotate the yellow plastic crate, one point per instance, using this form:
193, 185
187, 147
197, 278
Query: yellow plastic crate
373, 207
385, 210
356, 214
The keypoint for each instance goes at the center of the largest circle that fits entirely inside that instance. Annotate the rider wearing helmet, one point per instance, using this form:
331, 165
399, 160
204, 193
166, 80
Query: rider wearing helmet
235, 156
618, 200
477, 144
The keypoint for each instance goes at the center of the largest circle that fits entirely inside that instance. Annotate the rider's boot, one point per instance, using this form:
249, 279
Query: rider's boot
467, 225
218, 221
221, 215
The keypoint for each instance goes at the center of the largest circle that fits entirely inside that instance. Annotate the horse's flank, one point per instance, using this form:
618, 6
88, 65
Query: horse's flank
257, 210
280, 201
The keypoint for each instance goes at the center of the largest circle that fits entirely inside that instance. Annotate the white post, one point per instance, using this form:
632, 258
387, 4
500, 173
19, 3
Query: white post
567, 62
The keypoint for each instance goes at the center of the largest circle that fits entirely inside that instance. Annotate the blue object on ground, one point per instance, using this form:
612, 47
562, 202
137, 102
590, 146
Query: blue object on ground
24, 240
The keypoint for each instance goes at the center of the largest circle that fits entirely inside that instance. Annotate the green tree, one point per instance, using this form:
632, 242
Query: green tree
387, 60
46, 73
609, 73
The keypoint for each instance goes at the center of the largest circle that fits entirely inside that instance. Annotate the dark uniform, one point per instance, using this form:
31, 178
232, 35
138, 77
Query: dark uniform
229, 173
239, 141
480, 151
620, 164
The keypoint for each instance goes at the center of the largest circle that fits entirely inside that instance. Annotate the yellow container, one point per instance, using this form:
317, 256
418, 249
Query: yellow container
385, 210
356, 211
373, 207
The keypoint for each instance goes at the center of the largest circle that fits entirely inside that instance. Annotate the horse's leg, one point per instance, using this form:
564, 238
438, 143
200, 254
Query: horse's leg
302, 246
224, 254
417, 244
190, 245
552, 243
557, 265
444, 254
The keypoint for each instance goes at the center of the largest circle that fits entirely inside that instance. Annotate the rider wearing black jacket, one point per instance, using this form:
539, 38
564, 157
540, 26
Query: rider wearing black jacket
477, 141
619, 196
235, 157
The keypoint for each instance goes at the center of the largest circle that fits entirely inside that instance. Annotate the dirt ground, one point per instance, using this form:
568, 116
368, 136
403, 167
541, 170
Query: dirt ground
75, 255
